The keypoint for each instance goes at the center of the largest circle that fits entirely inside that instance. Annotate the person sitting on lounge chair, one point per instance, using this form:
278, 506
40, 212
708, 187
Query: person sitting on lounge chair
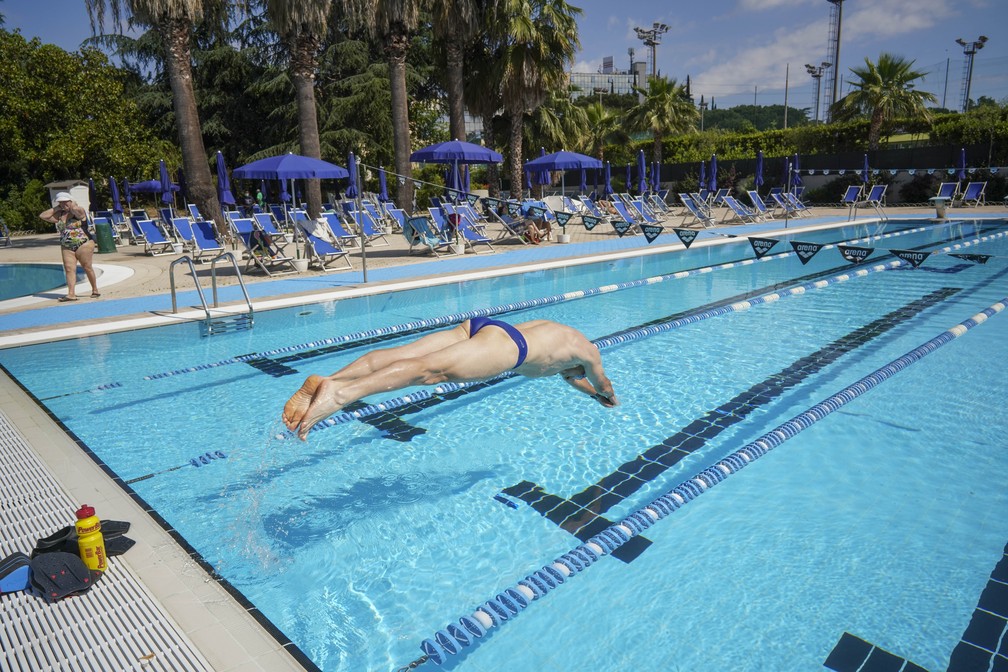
608, 208
469, 352
262, 243
537, 230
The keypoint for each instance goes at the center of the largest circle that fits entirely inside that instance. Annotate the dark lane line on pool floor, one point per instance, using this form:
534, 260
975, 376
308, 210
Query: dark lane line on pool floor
582, 513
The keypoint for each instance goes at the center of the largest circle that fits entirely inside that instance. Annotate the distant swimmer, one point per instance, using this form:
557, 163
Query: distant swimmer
477, 349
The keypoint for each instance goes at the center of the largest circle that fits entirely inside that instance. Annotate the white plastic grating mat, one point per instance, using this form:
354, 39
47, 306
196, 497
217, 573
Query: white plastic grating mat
115, 626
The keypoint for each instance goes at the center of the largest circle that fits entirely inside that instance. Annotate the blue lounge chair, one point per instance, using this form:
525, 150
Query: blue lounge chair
204, 239
322, 250
627, 217
419, 231
850, 198
694, 210
271, 261
155, 243
470, 234
332, 219
194, 213
759, 205
265, 221
740, 211
398, 217
367, 225
719, 197
973, 194
949, 190
874, 199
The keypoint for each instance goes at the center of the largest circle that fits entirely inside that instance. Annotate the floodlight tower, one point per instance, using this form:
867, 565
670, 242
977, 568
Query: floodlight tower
969, 49
652, 38
817, 71
833, 49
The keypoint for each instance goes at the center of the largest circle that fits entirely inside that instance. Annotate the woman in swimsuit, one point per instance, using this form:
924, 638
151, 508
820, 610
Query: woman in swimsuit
76, 244
477, 349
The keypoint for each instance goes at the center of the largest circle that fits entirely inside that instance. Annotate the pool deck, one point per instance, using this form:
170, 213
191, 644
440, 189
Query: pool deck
158, 607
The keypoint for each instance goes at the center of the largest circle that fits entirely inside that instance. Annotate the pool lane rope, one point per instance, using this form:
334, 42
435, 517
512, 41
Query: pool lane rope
457, 318
604, 342
508, 603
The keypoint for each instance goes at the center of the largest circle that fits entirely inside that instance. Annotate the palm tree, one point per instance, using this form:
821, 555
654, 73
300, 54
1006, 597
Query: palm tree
173, 20
557, 123
884, 91
537, 40
392, 22
483, 97
302, 25
455, 24
665, 110
603, 127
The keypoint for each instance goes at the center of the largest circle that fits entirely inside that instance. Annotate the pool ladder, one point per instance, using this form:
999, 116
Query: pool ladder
214, 325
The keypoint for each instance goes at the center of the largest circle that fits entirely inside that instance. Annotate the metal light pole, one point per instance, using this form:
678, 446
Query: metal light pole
817, 72
969, 49
652, 38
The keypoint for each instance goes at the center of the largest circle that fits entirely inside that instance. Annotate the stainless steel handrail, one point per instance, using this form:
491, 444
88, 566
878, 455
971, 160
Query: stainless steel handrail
171, 278
241, 282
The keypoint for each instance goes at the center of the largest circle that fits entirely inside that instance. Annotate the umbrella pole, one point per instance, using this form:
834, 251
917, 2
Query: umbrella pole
360, 229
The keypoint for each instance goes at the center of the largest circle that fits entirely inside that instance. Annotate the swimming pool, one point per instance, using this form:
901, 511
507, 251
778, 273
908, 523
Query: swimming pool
18, 280
883, 520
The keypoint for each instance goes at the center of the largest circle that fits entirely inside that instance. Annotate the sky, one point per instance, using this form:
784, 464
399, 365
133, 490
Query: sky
736, 51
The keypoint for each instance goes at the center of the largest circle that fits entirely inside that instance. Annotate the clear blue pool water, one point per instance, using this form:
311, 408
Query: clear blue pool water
884, 520
17, 280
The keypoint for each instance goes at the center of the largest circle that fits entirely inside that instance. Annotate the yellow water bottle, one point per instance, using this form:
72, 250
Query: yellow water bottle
89, 538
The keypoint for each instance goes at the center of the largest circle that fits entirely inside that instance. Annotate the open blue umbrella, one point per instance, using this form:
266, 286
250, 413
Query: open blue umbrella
114, 190
290, 167
382, 186
864, 170
703, 175
542, 176
561, 161
758, 179
642, 179
166, 185
351, 191
607, 186
224, 195
712, 184
962, 164
455, 152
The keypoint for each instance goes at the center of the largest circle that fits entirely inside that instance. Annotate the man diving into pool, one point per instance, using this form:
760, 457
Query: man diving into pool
477, 349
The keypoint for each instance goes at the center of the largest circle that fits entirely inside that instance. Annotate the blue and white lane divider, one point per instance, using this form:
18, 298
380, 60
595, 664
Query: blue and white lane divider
457, 318
509, 602
600, 343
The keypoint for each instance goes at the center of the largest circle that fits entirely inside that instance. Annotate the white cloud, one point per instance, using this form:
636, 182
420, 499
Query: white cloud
763, 5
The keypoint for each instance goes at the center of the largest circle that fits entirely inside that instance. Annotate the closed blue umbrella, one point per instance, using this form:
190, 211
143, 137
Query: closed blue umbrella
656, 177
127, 191
467, 180
224, 195
629, 177
92, 195
642, 179
264, 190
712, 184
183, 188
962, 164
114, 190
796, 172
594, 193
351, 191
284, 196
583, 186
166, 185
528, 180
758, 179
382, 186
607, 186
703, 175
864, 170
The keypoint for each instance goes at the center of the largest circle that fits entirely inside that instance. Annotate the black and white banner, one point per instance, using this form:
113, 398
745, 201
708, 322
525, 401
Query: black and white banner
651, 231
589, 221
913, 257
762, 245
805, 251
621, 227
975, 258
562, 217
686, 236
855, 255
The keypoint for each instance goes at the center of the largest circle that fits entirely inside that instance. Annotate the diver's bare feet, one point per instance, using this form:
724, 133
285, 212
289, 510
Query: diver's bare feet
294, 409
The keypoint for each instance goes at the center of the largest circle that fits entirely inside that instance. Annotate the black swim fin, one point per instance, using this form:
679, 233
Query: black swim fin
57, 575
65, 540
